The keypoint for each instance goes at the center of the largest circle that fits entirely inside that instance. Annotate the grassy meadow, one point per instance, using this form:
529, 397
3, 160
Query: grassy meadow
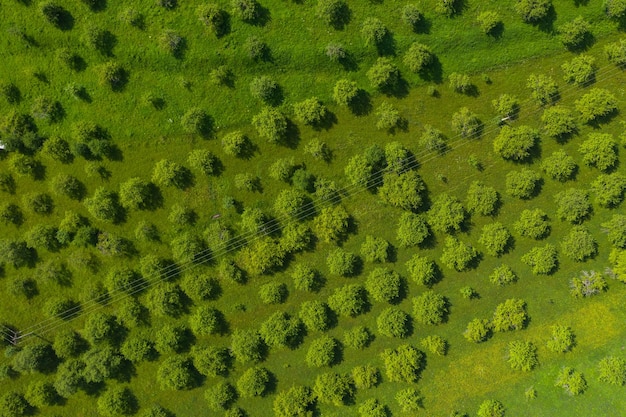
144, 134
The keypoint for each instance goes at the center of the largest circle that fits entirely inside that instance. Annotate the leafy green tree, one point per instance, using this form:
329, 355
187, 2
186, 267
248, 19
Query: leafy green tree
418, 57
435, 344
422, 270
236, 143
316, 315
402, 190
559, 122
466, 123
336, 52
63, 308
597, 104
187, 248
212, 360
359, 337
522, 184
616, 52
282, 330
572, 381
403, 364
254, 382
341, 262
433, 140
522, 355
383, 74
214, 18
412, 16
204, 161
323, 351
265, 89
373, 31
502, 275
542, 260
37, 357
297, 401
515, 143
409, 400
446, 214
532, 223
207, 320
101, 327
612, 370
334, 388
573, 205
457, 255
262, 256
273, 293
430, 308
561, 339
616, 230
393, 322
101, 363
575, 33
43, 236
478, 330
25, 166
533, 11
375, 249
14, 404
373, 408
220, 396
579, 244
543, 88
167, 173
305, 278
332, 12
177, 373
384, 285
559, 166
41, 393
112, 74
156, 411
489, 21
510, 315
345, 92
247, 346
310, 111
615, 9
166, 299
587, 284
387, 117
39, 203
293, 203
507, 106
271, 124
197, 120
599, 151
448, 8
494, 408
58, 149
609, 189
68, 343
282, 169
412, 229
496, 238
138, 349
349, 300
482, 199
365, 377
69, 377
7, 183
460, 83
68, 185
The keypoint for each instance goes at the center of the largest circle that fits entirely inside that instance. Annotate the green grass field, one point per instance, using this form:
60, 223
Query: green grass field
459, 381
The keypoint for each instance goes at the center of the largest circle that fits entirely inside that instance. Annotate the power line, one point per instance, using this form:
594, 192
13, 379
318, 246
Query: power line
268, 228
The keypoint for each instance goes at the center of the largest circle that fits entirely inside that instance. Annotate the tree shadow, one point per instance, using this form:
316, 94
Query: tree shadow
263, 16
497, 31
361, 104
604, 119
292, 135
64, 19
341, 17
387, 45
579, 3
327, 122
349, 62
422, 26
433, 72
547, 23
400, 89
106, 42
586, 43
77, 63
97, 5
120, 83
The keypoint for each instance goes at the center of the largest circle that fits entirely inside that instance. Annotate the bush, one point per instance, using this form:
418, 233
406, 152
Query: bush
282, 330
207, 320
247, 346
177, 373
460, 83
387, 117
609, 189
412, 230
616, 230
393, 322
116, 401
409, 400
349, 300
246, 10
478, 330
466, 124
502, 275
332, 12
579, 244
213, 18
373, 408
422, 270
403, 364
572, 381
489, 22
522, 184
433, 140
561, 339
542, 260
296, 401
515, 143
345, 92
446, 214
559, 166
273, 293
333, 388
383, 74
341, 262
574, 34
492, 408
616, 52
496, 238
573, 205
403, 190
533, 224
220, 396
587, 284
14, 404
373, 31
412, 16
430, 308
507, 106
305, 278
543, 88
615, 9
316, 316
166, 299
458, 255
40, 394
612, 370
418, 57
323, 351
510, 315
597, 104
522, 355
271, 124
358, 337
533, 11
599, 151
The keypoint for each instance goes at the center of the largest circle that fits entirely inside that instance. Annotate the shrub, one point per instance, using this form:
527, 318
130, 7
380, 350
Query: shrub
383, 74
116, 401
273, 293
305, 278
457, 255
341, 262
247, 346
358, 337
246, 10
430, 308
433, 140
522, 355
207, 320
492, 408
615, 9
542, 260
510, 315
616, 52
14, 404
572, 381
373, 31
599, 151
559, 122
533, 11
573, 205
222, 76
171, 174
393, 322
322, 351
522, 184
466, 124
587, 284
489, 21
388, 117
502, 275
403, 364
332, 12
409, 400
349, 300
422, 270
412, 230
418, 57
616, 230
561, 339
559, 166
336, 52
296, 401
236, 143
533, 224
254, 382
543, 88
220, 396
496, 238
609, 189
597, 104
403, 190
113, 75
446, 214
177, 373
482, 199
213, 18
579, 244
271, 124
478, 330
575, 33
460, 83
515, 143
612, 370
282, 330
